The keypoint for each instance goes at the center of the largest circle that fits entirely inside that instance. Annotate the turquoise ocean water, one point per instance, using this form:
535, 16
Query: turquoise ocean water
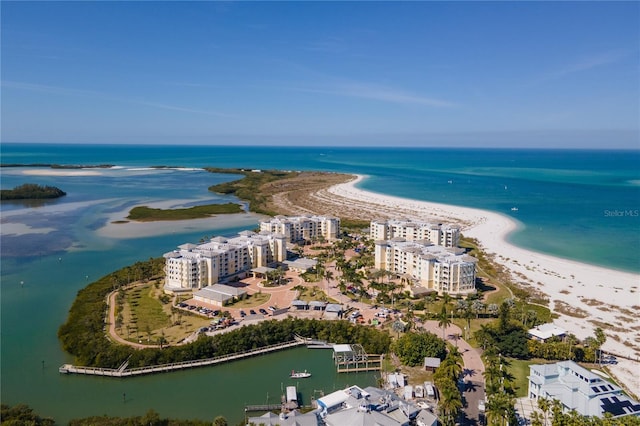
580, 205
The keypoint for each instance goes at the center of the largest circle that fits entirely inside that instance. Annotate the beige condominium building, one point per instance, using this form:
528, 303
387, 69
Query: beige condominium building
439, 234
433, 267
303, 228
193, 266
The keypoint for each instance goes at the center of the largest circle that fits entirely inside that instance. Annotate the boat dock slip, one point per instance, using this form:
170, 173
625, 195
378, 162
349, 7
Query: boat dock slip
124, 372
353, 358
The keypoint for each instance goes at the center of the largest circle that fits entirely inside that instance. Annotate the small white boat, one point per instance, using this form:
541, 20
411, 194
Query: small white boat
514, 209
300, 374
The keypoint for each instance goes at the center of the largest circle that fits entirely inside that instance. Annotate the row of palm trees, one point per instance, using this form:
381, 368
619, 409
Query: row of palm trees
499, 408
446, 380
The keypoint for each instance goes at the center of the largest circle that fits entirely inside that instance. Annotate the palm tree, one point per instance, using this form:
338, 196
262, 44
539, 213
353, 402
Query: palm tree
443, 320
452, 366
500, 409
450, 404
544, 405
328, 275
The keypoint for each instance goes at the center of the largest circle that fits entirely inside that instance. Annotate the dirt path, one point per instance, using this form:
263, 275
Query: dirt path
111, 302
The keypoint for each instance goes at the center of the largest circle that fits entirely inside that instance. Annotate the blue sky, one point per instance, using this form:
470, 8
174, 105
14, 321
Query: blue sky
516, 74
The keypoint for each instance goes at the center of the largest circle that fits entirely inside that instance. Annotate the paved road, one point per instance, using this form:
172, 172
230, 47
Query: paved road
473, 380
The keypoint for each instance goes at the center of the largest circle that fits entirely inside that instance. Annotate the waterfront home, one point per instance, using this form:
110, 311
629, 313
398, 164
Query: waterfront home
544, 332
579, 389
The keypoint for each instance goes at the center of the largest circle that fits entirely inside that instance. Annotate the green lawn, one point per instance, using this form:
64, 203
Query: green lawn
519, 368
147, 309
251, 301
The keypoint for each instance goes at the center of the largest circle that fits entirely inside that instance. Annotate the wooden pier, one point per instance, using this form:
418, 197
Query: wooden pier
122, 371
372, 363
263, 407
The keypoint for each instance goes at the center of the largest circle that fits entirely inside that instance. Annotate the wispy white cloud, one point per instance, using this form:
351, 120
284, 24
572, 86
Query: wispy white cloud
587, 63
67, 91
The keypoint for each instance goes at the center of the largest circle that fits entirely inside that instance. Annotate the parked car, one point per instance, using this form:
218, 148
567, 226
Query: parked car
252, 312
263, 312
243, 314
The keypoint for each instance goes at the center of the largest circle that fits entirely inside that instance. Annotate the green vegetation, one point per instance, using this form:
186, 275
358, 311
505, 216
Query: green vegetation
147, 214
147, 309
83, 334
31, 191
446, 380
412, 348
356, 224
21, 414
520, 372
249, 187
507, 336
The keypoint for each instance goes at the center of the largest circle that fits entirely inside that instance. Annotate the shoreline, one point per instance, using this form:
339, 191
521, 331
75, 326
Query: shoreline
597, 296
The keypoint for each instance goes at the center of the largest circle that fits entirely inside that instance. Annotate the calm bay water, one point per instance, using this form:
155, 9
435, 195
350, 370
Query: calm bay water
580, 205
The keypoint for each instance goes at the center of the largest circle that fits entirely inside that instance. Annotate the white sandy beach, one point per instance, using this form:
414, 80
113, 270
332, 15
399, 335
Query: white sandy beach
599, 296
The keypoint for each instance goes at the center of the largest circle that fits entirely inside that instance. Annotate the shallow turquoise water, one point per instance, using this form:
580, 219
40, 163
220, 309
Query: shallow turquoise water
562, 197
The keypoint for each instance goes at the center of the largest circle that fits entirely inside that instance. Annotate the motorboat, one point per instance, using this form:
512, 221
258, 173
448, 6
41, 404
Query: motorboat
300, 374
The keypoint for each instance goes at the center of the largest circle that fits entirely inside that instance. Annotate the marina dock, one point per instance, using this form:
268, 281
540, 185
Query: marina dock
353, 359
122, 371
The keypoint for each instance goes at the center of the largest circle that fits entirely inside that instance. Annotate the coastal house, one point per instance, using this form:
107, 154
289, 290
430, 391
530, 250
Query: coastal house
303, 228
437, 233
368, 406
193, 267
437, 268
579, 389
544, 332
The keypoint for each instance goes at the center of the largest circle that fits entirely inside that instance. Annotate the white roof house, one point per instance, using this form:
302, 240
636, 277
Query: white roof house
544, 332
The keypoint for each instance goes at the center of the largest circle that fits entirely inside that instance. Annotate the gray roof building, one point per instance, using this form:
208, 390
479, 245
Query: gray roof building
579, 389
